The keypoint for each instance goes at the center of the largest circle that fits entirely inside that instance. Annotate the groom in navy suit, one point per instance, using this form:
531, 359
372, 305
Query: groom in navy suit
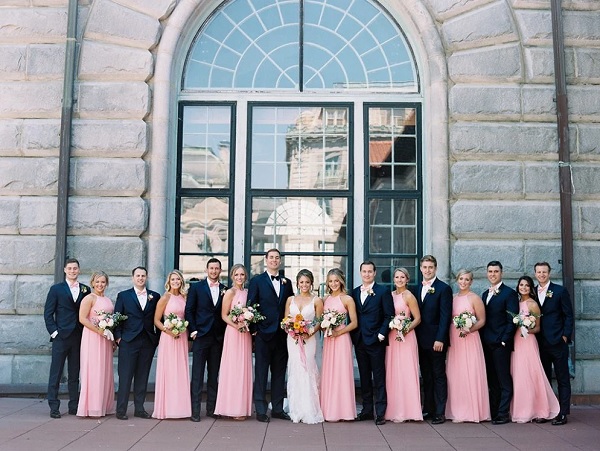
435, 303
270, 290
207, 330
374, 308
61, 315
137, 338
555, 335
498, 341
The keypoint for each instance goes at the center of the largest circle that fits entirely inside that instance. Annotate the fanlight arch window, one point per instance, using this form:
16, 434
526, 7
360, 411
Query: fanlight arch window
300, 45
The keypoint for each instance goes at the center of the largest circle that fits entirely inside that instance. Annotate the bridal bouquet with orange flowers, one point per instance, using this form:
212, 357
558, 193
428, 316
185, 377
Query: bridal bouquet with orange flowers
297, 327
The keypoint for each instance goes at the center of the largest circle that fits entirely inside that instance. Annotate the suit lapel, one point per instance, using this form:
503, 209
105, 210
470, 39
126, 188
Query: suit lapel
135, 299
68, 292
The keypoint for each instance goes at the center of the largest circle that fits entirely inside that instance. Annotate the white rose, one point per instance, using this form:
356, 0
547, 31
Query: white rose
468, 323
167, 322
102, 324
248, 315
325, 324
111, 323
526, 322
179, 324
516, 320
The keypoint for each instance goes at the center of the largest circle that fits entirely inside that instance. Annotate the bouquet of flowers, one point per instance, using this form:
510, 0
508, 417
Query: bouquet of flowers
246, 315
297, 327
175, 324
400, 323
525, 321
330, 320
463, 322
107, 321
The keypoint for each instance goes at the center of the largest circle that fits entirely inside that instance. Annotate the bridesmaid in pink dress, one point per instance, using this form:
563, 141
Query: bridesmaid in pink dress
338, 400
97, 397
468, 398
172, 392
533, 398
234, 398
402, 358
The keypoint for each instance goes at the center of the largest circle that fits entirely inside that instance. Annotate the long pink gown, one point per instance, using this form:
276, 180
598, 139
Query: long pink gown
533, 396
234, 397
338, 401
172, 392
468, 398
402, 373
97, 397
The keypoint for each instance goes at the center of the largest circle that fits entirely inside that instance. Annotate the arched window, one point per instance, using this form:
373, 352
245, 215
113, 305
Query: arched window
299, 128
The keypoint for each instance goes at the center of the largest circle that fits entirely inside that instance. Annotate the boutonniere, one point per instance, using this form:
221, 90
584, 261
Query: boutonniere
495, 292
223, 291
430, 290
371, 292
150, 297
283, 280
549, 294
85, 290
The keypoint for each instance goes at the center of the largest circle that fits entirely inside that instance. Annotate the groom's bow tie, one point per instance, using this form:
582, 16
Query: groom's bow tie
213, 284
274, 277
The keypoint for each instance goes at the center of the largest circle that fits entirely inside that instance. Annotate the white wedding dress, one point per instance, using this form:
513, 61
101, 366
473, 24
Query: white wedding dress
303, 374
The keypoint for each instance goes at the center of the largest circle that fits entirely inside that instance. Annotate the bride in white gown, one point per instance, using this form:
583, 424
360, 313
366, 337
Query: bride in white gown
303, 373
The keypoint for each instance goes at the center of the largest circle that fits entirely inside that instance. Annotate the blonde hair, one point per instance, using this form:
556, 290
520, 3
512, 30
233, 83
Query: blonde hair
340, 275
97, 274
464, 272
403, 271
182, 288
234, 268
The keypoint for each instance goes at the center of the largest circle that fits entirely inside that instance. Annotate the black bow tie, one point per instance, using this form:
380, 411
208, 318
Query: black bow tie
274, 277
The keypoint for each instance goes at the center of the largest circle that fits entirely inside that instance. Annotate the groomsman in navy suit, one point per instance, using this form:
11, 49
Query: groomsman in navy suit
137, 338
374, 308
555, 335
270, 290
207, 331
435, 303
498, 341
61, 314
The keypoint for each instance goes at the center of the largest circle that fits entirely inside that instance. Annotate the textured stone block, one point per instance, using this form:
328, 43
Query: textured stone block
585, 259
477, 178
108, 177
588, 65
539, 102
482, 64
589, 294
544, 251
542, 178
31, 292
590, 219
587, 341
106, 216
535, 26
485, 102
6, 364
33, 25
505, 219
443, 9
33, 340
539, 63
466, 30
589, 139
27, 254
37, 215
46, 61
114, 255
581, 28
33, 369
114, 23
28, 176
119, 138
114, 100
30, 99
9, 215
586, 178
583, 102
41, 137
7, 294
101, 61
588, 371
13, 61
159, 9
474, 255
473, 138
10, 137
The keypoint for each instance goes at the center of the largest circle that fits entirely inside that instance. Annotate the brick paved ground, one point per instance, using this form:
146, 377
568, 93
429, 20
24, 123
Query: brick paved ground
25, 425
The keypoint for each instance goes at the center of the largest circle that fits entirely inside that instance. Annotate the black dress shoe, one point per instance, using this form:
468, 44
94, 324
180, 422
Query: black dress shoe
55, 414
500, 420
195, 418
438, 419
122, 416
213, 415
262, 417
365, 416
540, 420
427, 416
72, 411
379, 421
142, 414
281, 416
559, 420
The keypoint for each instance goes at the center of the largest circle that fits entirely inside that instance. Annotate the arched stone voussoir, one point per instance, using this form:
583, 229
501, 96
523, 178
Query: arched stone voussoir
159, 9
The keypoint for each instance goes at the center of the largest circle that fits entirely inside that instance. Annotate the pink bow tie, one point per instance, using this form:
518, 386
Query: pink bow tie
213, 284
75, 285
427, 283
141, 293
363, 288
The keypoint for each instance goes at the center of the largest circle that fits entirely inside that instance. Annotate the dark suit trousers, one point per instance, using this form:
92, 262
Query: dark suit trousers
371, 369
500, 383
558, 355
67, 349
208, 358
435, 383
135, 360
273, 354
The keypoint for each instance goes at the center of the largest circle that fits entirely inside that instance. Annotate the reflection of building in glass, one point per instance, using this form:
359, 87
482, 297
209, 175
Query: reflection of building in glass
204, 225
202, 168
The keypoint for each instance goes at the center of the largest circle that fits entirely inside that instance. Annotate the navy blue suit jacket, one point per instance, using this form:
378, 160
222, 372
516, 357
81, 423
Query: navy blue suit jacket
262, 292
203, 315
557, 316
499, 326
374, 315
436, 314
61, 311
138, 321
